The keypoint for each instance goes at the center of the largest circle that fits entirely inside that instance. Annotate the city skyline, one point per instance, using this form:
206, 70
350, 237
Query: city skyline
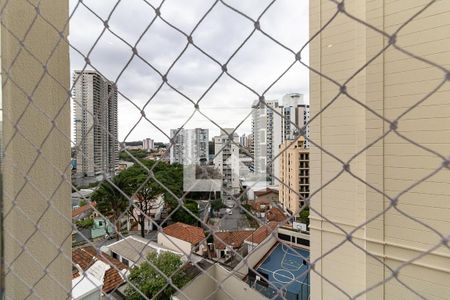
227, 103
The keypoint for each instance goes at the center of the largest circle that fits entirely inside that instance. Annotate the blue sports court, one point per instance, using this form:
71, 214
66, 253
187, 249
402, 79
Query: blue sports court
285, 268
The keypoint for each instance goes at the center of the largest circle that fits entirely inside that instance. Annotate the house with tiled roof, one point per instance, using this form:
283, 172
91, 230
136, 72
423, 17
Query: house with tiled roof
271, 193
84, 212
183, 238
275, 214
95, 273
259, 235
133, 250
227, 241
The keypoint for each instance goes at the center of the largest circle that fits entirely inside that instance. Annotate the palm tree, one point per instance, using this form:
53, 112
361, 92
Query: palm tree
111, 200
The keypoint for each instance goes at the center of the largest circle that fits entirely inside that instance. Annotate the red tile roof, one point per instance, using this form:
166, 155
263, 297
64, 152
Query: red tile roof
82, 209
265, 192
256, 205
185, 232
262, 233
230, 238
87, 256
276, 214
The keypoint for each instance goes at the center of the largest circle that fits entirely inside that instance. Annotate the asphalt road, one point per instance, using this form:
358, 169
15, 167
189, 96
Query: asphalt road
236, 221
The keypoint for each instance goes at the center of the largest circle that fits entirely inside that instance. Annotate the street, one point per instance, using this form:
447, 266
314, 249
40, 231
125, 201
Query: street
235, 221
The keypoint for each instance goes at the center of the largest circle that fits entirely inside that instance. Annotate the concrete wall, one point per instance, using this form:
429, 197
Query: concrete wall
25, 203
174, 243
294, 233
254, 256
206, 287
389, 85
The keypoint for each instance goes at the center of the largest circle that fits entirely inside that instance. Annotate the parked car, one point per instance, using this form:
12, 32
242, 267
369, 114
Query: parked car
229, 211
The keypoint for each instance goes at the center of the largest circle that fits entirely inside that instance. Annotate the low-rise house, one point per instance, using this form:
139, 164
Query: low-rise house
183, 237
271, 193
84, 212
82, 194
260, 234
133, 250
95, 274
153, 212
227, 241
260, 206
99, 228
276, 214
123, 165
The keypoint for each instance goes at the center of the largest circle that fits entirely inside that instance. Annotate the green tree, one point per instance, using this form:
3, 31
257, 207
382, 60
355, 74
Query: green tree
217, 204
85, 224
149, 280
146, 192
111, 201
146, 189
134, 154
304, 216
181, 215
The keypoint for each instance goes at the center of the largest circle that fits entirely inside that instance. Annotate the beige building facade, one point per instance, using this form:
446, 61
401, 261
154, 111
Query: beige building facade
384, 238
294, 174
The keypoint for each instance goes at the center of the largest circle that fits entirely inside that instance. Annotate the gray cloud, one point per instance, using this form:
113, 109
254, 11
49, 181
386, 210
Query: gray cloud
257, 64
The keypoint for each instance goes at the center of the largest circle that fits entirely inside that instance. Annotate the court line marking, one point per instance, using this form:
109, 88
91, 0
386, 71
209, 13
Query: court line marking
278, 276
269, 271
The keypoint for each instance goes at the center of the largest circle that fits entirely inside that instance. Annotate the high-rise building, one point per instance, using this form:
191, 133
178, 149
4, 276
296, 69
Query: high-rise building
295, 113
189, 146
266, 130
294, 174
226, 160
95, 117
394, 202
148, 144
243, 140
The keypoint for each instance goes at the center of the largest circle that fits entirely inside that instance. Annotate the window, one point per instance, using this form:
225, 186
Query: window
301, 241
284, 237
125, 261
114, 255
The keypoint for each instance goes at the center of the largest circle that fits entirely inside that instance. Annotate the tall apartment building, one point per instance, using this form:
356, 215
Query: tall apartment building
243, 140
390, 85
266, 131
226, 160
95, 117
148, 144
294, 174
295, 113
190, 146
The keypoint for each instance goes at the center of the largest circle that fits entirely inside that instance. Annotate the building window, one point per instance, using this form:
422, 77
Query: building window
114, 255
284, 237
301, 241
125, 261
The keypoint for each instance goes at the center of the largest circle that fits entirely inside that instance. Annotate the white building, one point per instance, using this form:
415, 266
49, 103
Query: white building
295, 112
266, 130
190, 146
95, 138
226, 160
183, 238
133, 250
148, 144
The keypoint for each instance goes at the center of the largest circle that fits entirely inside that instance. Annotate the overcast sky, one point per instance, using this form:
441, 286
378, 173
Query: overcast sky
258, 63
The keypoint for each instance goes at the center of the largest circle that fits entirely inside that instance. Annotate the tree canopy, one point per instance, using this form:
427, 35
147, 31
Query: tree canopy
181, 215
169, 175
135, 154
111, 200
151, 282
